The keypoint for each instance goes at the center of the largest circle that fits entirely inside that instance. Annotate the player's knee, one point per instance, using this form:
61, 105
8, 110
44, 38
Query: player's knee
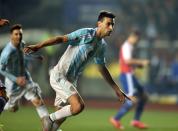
77, 108
37, 102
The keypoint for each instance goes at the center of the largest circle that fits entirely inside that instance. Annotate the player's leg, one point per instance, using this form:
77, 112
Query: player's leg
76, 110
67, 98
13, 102
75, 106
142, 99
41, 110
12, 107
40, 107
55, 119
127, 84
33, 94
56, 124
13, 95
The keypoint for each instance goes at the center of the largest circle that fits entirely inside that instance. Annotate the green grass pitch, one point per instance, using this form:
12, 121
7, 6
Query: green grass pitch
26, 119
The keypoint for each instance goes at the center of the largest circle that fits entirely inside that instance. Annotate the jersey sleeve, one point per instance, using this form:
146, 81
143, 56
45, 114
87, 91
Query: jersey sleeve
5, 55
75, 37
100, 55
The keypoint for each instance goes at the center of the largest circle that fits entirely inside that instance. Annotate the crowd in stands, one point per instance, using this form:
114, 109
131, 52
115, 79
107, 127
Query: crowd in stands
156, 18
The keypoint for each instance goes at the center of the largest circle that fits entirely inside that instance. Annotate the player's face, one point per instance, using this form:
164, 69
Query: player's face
16, 37
106, 26
136, 39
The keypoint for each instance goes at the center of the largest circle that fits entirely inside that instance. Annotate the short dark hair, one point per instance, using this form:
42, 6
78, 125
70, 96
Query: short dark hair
104, 13
15, 27
136, 33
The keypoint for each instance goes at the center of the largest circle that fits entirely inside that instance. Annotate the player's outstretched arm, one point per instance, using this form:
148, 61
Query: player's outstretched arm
4, 22
138, 62
49, 42
105, 73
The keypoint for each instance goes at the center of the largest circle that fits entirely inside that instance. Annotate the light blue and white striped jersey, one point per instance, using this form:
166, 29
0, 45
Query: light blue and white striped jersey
12, 62
83, 46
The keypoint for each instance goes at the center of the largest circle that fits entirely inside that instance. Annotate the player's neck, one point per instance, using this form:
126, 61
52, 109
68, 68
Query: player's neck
130, 41
98, 34
15, 45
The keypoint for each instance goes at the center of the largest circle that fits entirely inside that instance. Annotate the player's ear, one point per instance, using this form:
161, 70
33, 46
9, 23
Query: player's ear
98, 23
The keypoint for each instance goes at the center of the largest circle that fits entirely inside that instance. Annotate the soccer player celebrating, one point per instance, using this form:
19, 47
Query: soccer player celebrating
83, 45
130, 84
3, 97
17, 78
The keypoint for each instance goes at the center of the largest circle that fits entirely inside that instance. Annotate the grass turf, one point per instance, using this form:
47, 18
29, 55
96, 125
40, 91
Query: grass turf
26, 119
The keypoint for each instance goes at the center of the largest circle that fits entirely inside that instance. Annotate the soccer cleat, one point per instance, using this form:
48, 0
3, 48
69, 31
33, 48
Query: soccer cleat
47, 123
55, 127
116, 124
138, 124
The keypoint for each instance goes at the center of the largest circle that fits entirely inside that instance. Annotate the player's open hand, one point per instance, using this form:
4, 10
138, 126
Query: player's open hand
122, 96
30, 49
4, 22
131, 98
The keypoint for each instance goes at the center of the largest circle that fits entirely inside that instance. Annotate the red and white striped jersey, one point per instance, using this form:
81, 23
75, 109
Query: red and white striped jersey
125, 54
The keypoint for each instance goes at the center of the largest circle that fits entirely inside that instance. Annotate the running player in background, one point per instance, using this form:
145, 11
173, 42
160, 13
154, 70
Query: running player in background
3, 97
17, 78
84, 45
130, 84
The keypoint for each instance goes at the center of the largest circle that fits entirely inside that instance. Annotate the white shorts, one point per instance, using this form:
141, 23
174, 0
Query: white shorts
15, 93
63, 88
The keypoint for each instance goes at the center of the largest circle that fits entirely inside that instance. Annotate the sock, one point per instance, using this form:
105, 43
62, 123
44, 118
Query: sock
139, 109
55, 127
124, 109
42, 111
62, 113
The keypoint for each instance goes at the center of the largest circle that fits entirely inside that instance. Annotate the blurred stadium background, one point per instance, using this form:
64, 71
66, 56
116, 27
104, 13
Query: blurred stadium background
157, 20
